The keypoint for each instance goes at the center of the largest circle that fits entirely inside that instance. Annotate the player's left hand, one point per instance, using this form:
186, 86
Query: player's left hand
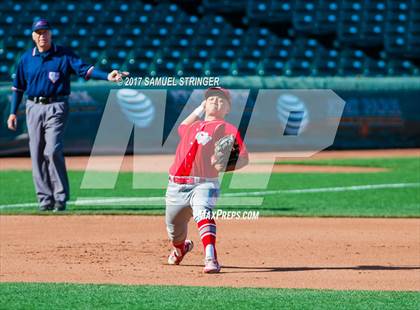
226, 153
116, 76
217, 166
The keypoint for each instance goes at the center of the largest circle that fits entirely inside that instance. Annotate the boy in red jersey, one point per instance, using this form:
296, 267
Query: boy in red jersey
193, 177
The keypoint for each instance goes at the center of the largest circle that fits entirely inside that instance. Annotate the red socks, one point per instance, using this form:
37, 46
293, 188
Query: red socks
207, 230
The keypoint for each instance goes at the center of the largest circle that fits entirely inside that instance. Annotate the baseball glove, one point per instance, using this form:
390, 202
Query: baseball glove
226, 151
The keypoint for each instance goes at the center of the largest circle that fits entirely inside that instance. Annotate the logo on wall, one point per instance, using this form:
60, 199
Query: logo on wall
292, 113
136, 106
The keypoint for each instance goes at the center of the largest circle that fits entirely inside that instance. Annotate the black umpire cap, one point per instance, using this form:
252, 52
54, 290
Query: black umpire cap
41, 24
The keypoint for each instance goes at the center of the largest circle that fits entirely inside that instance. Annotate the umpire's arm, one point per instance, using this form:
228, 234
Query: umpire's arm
87, 71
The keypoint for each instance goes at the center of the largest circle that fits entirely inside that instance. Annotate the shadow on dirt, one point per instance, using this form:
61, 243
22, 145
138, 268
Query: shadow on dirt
245, 269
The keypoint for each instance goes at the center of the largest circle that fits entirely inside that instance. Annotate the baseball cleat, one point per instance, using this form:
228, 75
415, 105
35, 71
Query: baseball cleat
174, 259
211, 266
58, 207
45, 208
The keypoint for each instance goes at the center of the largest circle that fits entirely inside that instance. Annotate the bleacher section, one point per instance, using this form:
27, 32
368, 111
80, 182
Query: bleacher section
219, 37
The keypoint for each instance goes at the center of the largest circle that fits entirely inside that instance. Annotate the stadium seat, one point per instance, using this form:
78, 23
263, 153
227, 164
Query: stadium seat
165, 67
351, 62
244, 37
192, 66
315, 16
273, 11
139, 67
326, 62
298, 67
401, 67
272, 67
362, 22
375, 67
247, 67
225, 6
403, 28
216, 67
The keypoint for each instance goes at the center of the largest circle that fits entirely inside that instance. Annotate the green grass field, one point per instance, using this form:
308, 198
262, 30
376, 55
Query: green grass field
73, 296
16, 187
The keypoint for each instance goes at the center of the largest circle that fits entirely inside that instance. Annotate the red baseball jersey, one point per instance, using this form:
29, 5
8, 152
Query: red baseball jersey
194, 151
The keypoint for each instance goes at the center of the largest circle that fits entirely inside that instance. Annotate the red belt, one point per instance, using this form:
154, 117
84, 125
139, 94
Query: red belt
190, 180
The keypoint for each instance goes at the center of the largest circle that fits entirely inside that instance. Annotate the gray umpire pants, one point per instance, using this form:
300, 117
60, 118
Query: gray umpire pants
46, 125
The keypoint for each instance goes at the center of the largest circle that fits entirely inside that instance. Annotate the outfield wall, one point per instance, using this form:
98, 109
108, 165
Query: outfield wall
379, 113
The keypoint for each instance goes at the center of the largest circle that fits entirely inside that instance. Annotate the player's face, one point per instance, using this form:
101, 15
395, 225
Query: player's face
42, 38
217, 106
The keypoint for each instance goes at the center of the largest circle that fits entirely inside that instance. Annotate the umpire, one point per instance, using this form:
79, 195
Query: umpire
44, 74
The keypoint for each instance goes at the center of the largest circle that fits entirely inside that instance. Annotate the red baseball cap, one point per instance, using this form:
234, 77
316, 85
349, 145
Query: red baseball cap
218, 91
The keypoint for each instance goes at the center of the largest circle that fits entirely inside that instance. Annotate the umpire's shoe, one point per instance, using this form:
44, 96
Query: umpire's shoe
44, 208
59, 206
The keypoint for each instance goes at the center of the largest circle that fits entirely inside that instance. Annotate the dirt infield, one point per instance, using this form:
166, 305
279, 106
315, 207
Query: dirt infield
369, 254
161, 163
322, 253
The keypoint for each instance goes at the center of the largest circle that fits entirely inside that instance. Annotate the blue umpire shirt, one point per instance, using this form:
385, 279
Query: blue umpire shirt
48, 74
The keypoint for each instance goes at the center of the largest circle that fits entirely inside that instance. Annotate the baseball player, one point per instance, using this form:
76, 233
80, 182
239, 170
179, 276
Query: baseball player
193, 177
44, 74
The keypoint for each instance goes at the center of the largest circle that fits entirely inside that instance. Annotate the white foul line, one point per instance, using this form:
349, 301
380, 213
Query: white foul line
326, 189
160, 200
